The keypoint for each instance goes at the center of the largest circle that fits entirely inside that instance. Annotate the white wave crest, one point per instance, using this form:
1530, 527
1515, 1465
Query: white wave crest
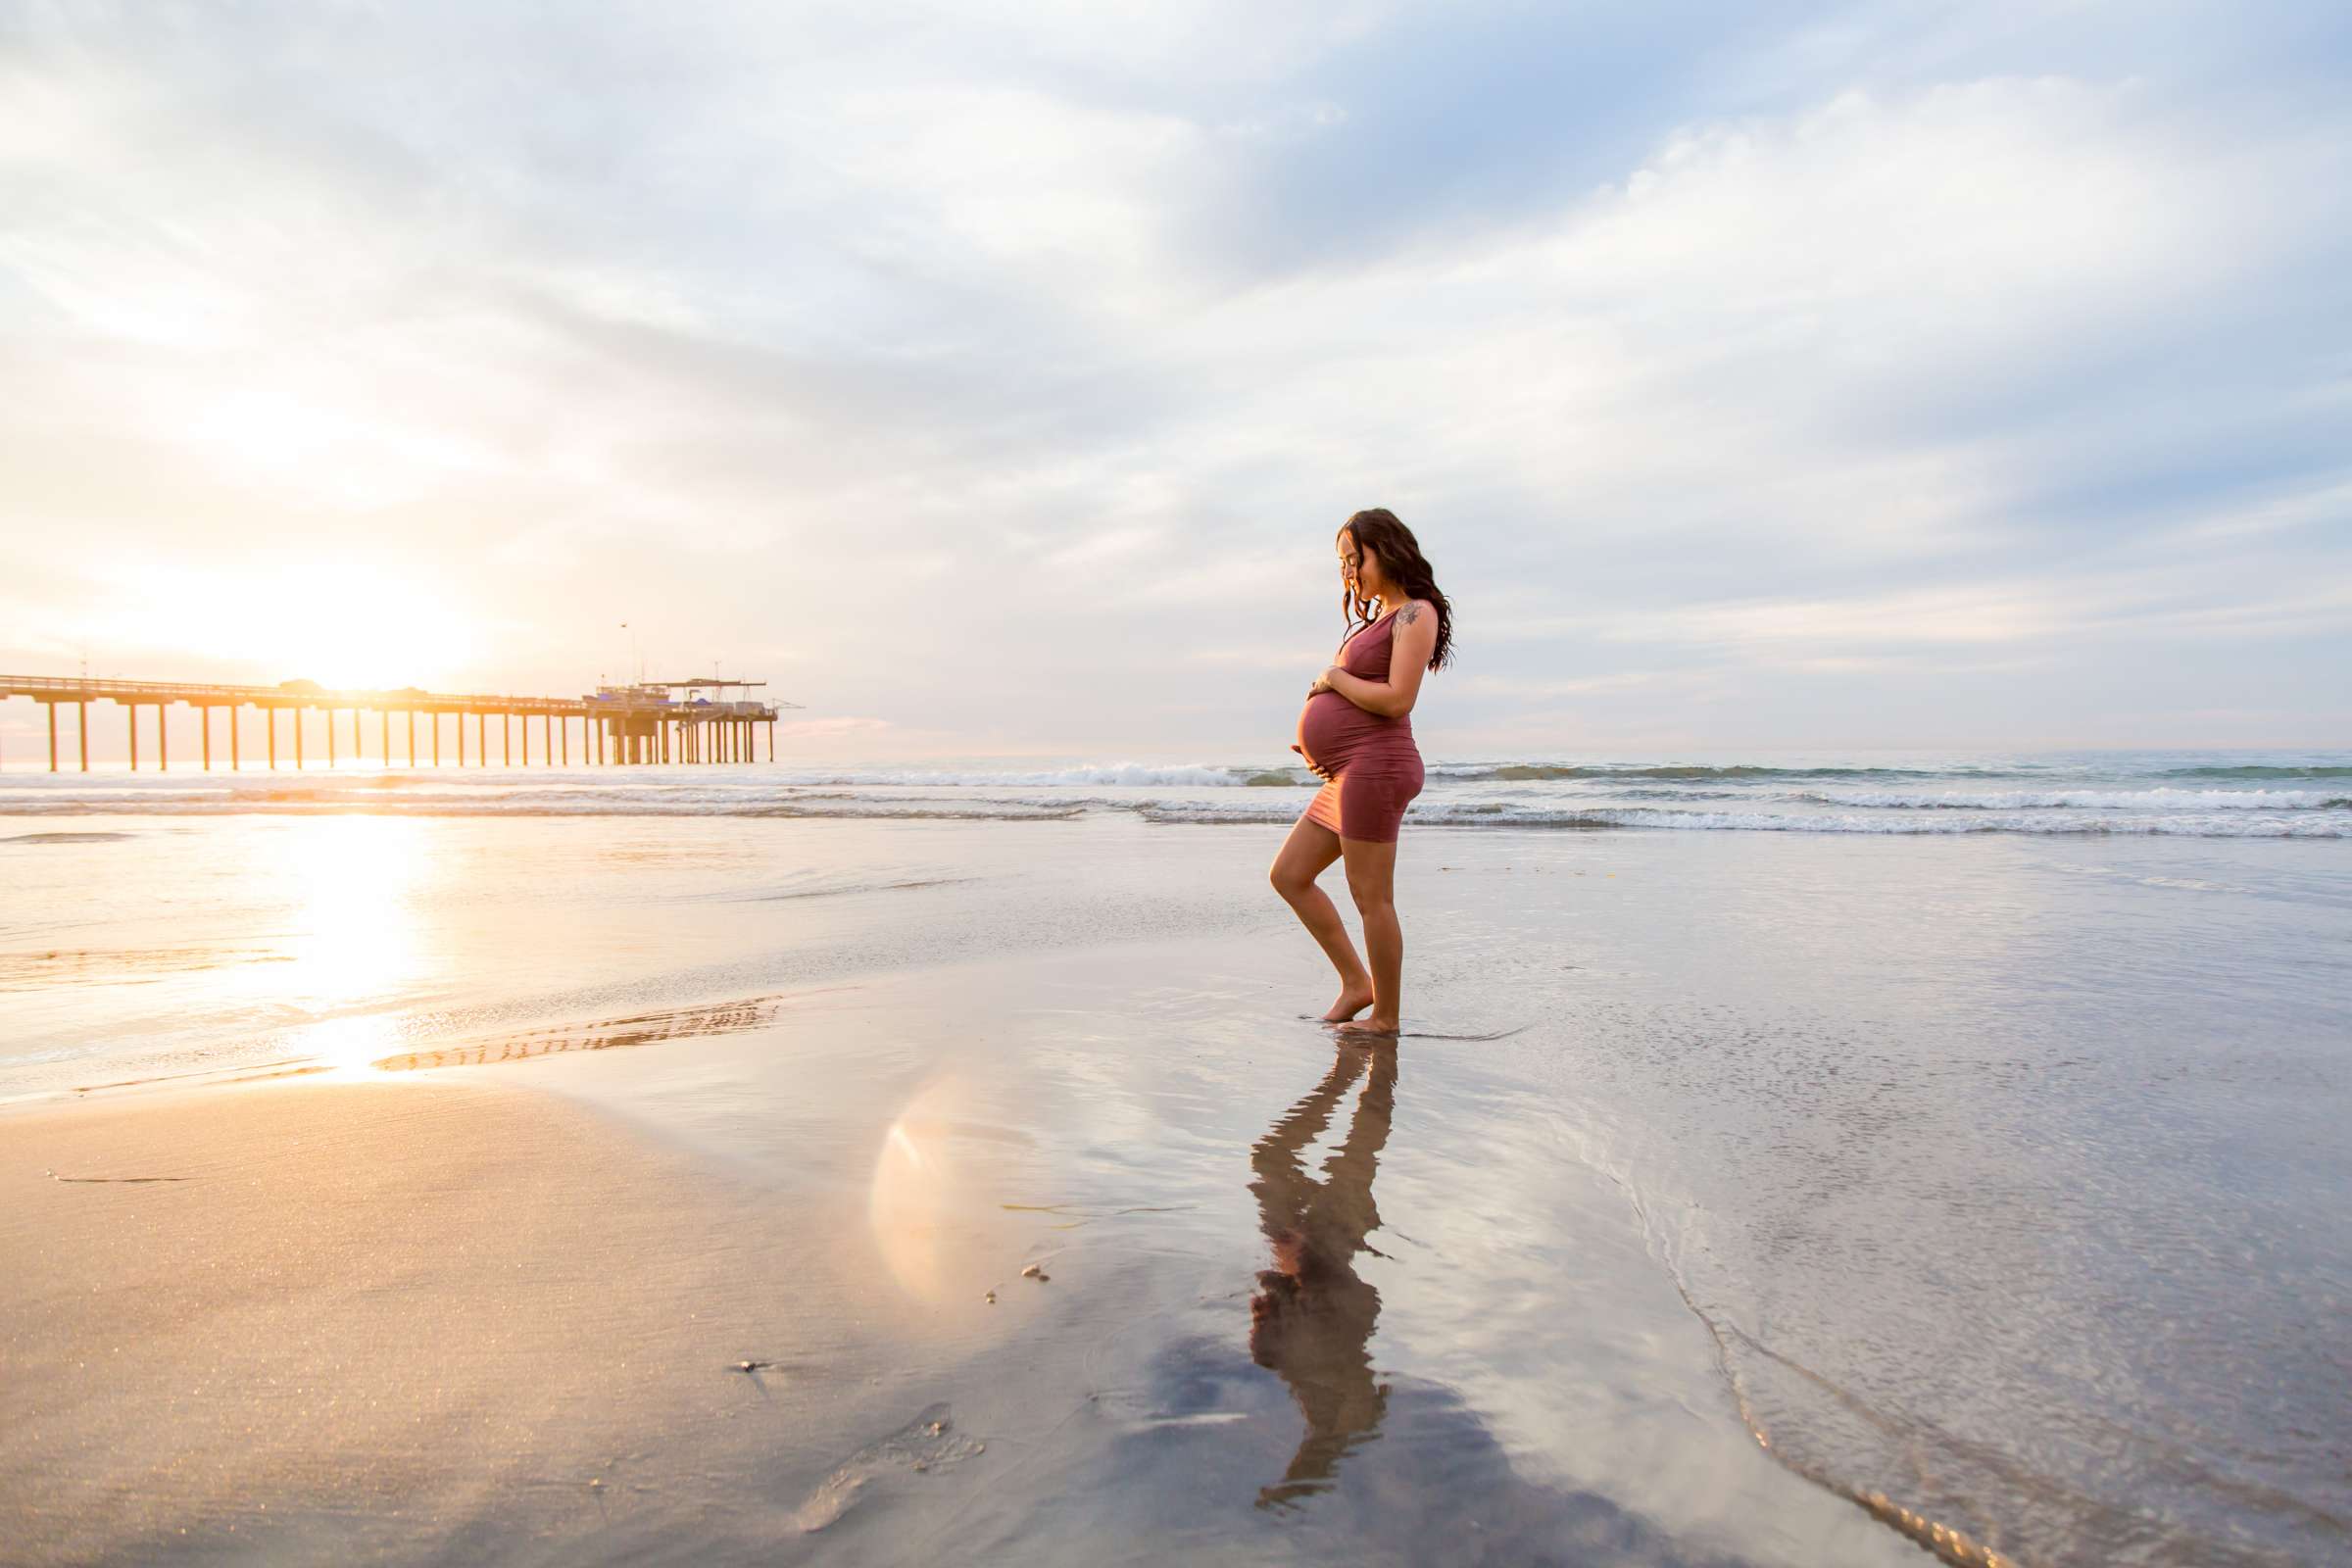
1092, 775
2149, 800
1475, 815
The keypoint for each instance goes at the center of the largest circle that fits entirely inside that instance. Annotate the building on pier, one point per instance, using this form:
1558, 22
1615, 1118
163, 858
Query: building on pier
651, 715
649, 721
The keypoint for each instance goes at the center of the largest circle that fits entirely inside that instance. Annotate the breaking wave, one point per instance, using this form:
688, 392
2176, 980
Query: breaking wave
1605, 772
2155, 800
1199, 776
1597, 817
2321, 771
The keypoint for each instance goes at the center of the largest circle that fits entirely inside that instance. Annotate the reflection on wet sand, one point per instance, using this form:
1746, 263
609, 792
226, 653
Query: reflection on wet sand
120, 967
1311, 1319
642, 1029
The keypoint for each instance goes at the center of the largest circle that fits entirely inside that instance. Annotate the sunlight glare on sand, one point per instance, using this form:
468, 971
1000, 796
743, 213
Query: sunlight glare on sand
355, 944
352, 1045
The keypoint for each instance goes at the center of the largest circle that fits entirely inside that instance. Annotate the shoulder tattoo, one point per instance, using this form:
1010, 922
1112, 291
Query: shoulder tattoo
1409, 613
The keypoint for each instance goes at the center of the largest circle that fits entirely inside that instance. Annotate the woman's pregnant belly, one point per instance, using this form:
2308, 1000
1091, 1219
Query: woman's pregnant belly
1334, 732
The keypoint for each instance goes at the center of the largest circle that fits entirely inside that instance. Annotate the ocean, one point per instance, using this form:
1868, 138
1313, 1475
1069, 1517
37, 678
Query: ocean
1954, 1141
2170, 794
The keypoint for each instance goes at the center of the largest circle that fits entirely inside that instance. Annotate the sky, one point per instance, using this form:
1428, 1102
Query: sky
991, 378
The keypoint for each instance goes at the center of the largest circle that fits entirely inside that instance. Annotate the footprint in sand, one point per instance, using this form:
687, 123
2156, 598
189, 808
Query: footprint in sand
927, 1443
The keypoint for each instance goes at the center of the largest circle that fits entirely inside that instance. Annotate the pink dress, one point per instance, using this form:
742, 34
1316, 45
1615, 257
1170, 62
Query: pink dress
1371, 765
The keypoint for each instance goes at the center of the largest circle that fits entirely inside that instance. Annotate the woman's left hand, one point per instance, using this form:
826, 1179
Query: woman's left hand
1323, 682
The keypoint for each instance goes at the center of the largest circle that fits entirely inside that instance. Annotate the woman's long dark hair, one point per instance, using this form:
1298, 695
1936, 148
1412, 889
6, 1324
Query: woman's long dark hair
1402, 563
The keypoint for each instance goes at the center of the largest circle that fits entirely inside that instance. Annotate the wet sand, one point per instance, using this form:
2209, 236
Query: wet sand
500, 1313
1970, 1173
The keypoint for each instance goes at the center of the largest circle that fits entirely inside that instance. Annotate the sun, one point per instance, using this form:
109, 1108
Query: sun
348, 624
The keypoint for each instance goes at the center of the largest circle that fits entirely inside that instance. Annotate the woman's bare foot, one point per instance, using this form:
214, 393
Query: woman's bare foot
1353, 1000
1373, 1028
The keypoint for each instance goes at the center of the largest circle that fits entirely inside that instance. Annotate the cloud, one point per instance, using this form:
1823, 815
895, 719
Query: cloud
1742, 370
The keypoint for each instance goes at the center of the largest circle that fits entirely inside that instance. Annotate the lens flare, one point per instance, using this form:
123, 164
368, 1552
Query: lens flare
937, 1205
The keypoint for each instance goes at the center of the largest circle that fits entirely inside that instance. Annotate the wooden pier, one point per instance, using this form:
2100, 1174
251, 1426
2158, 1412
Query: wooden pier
649, 722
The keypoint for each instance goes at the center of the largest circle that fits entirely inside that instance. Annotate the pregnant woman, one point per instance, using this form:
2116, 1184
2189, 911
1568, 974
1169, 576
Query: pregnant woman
1354, 732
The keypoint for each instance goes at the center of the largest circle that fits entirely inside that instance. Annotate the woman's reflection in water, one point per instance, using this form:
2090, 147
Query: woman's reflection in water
1311, 1318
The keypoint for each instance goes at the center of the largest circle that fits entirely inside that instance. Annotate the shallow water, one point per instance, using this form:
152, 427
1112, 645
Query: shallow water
1998, 1175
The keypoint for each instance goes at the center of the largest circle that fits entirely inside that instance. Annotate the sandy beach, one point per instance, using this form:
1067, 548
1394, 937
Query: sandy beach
680, 683
441, 1320
1703, 1205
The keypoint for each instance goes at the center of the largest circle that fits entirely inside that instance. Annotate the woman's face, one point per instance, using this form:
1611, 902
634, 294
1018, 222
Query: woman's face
1359, 569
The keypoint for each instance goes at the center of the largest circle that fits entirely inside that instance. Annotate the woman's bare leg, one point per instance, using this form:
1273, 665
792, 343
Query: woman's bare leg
1310, 848
1372, 879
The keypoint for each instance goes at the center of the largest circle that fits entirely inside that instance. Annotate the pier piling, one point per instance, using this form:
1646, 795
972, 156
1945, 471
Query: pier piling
651, 722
